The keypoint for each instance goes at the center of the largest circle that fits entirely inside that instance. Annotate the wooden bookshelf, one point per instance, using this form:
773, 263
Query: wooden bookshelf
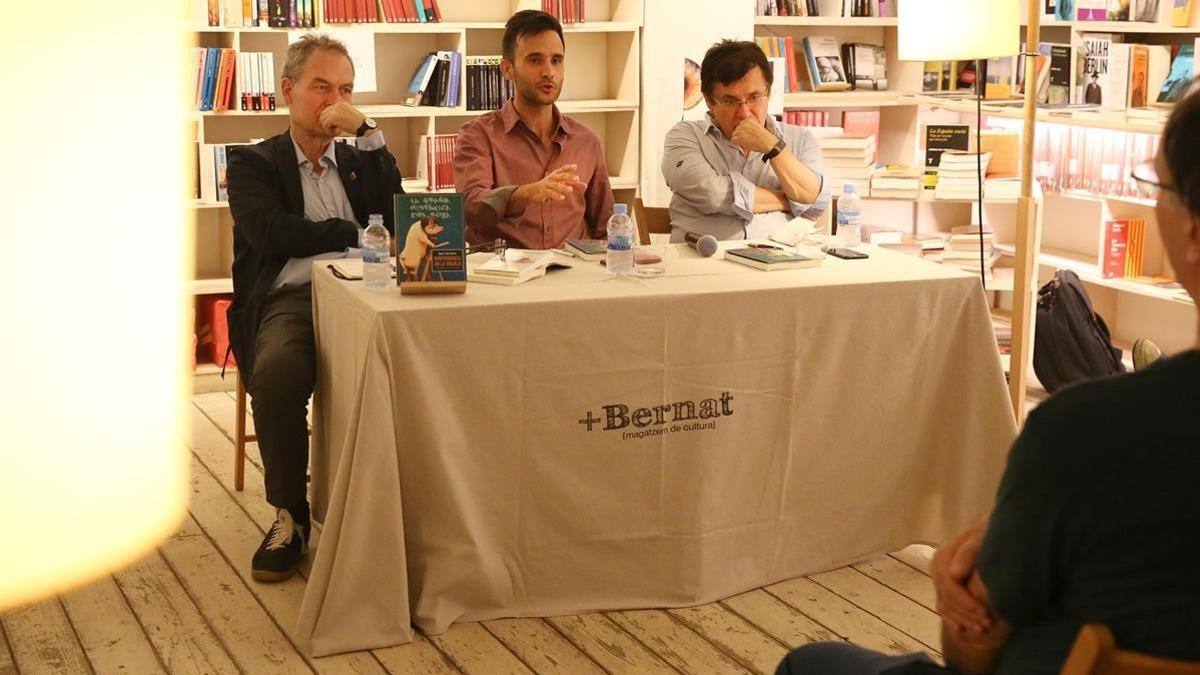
602, 90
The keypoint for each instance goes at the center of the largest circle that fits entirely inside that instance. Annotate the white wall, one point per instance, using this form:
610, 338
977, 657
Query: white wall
675, 29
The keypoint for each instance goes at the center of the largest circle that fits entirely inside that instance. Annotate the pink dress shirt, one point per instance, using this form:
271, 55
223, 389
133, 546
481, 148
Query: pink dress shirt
496, 153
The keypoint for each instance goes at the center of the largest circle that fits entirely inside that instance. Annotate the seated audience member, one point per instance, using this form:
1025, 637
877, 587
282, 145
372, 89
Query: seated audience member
1096, 518
532, 175
739, 174
295, 198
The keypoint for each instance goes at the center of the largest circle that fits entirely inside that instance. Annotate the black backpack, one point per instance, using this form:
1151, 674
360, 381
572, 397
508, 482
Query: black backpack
1071, 341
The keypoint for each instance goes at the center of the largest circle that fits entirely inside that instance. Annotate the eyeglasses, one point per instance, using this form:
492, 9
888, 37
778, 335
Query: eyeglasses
754, 101
499, 246
1147, 182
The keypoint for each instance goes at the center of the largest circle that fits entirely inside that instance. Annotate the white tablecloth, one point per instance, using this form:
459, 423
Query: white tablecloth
774, 424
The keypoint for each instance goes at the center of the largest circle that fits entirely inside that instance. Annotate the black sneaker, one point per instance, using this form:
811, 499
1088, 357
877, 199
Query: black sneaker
278, 557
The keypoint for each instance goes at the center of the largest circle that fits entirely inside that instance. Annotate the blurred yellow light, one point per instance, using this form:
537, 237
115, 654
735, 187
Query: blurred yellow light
96, 304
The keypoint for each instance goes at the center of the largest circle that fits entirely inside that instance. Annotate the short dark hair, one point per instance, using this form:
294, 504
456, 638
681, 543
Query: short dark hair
1181, 149
729, 60
524, 23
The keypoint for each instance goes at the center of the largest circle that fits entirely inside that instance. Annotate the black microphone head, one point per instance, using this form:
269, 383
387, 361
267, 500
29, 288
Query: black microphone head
706, 245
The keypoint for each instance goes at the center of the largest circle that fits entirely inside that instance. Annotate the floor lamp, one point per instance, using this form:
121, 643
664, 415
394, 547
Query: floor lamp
966, 30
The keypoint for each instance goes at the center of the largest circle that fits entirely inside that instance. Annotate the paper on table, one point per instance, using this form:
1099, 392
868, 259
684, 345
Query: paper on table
360, 44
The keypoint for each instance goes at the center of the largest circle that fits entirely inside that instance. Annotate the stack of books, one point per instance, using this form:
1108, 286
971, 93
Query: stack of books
517, 266
962, 250
897, 181
486, 87
848, 159
958, 174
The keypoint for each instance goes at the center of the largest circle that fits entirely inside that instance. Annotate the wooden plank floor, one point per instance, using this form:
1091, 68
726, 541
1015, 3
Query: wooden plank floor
191, 607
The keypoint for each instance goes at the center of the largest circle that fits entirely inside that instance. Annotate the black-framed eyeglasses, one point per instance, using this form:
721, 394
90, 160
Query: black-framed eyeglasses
1147, 181
498, 246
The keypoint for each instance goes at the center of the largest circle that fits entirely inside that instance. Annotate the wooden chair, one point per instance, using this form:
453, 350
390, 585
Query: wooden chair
1095, 653
650, 219
241, 438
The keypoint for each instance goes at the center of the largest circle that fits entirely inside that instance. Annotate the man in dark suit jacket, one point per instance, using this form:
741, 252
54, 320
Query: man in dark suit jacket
296, 198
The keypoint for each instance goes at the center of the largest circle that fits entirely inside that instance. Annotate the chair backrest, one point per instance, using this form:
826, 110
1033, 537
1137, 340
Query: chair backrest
1095, 653
650, 219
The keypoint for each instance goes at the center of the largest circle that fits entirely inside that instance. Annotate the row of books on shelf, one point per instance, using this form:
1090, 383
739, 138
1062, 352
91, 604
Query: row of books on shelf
262, 13
850, 8
437, 169
1100, 71
391, 11
782, 48
831, 66
807, 118
436, 81
487, 89
1097, 161
226, 79
1172, 12
566, 11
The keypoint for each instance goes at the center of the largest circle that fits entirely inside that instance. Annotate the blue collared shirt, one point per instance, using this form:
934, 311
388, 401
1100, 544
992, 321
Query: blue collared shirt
324, 198
713, 182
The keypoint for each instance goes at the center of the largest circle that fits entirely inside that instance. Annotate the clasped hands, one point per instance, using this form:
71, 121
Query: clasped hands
962, 600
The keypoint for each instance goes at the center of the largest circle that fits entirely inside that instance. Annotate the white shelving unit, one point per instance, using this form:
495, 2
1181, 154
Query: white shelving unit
602, 91
1132, 309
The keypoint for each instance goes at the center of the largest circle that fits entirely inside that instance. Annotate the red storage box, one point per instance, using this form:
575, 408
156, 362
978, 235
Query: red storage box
220, 333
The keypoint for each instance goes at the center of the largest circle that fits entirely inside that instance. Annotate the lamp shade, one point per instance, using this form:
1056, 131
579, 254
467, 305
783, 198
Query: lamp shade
96, 303
957, 30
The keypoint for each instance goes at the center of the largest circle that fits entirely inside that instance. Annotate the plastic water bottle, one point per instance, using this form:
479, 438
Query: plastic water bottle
377, 265
849, 210
620, 241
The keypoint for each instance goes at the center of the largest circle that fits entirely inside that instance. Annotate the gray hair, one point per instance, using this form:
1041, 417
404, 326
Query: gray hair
300, 50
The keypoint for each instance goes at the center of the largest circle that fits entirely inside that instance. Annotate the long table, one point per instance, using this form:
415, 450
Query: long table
585, 442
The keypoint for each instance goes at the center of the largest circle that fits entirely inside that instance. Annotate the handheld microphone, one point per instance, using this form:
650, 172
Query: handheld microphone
705, 244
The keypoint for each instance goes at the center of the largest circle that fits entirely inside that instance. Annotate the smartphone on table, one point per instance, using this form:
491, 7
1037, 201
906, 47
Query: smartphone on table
846, 253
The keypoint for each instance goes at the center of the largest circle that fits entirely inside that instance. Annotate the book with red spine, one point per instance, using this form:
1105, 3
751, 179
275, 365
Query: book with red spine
437, 10
1116, 240
372, 8
793, 67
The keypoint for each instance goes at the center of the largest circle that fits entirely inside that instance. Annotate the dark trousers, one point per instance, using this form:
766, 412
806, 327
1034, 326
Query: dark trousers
285, 371
843, 658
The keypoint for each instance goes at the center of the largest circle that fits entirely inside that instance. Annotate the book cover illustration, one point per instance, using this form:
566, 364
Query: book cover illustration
430, 240
1118, 10
1093, 70
825, 69
1064, 10
1058, 92
1180, 77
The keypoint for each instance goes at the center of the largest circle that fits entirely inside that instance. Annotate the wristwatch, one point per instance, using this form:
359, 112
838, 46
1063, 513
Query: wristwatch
367, 126
774, 152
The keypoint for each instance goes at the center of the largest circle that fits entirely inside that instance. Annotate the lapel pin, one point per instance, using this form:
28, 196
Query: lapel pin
353, 175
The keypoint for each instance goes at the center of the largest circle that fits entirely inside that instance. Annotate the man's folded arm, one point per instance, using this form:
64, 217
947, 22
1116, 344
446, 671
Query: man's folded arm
258, 209
694, 180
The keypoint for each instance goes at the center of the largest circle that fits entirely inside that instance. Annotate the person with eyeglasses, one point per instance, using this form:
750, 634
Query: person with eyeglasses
739, 174
1096, 518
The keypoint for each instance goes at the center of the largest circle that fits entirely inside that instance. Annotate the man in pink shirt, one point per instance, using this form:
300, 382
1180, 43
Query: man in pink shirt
532, 175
